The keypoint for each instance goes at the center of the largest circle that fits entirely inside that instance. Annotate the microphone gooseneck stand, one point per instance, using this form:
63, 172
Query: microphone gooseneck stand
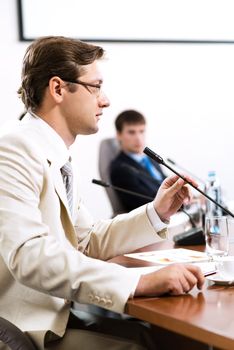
121, 189
160, 160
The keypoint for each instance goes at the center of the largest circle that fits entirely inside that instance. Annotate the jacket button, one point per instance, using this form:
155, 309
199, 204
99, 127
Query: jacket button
103, 301
96, 299
109, 303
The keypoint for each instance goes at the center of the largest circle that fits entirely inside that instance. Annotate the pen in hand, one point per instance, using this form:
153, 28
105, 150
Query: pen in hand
209, 273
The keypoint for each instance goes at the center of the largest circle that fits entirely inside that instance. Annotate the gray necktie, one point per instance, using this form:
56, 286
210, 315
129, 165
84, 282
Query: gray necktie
67, 175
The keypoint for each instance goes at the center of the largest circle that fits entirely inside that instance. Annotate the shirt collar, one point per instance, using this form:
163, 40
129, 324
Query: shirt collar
57, 149
135, 156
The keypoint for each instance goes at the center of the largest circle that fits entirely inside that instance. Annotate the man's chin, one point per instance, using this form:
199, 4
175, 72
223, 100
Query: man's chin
90, 131
138, 150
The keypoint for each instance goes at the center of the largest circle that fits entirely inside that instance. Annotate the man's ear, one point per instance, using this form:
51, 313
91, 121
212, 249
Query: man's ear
56, 89
118, 136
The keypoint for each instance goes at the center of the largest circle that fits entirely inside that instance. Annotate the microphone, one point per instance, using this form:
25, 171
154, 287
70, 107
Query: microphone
106, 184
160, 160
186, 171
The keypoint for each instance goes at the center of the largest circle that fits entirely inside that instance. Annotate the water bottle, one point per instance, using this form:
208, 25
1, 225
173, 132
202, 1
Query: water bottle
213, 190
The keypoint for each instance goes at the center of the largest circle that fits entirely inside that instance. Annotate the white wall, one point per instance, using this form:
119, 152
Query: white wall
185, 91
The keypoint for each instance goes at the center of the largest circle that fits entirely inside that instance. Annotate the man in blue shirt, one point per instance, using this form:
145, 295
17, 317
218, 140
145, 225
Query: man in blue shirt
132, 169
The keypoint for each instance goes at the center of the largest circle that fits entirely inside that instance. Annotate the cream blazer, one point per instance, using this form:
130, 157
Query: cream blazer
46, 259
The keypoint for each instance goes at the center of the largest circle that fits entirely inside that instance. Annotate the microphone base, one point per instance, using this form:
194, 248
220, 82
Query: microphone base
194, 236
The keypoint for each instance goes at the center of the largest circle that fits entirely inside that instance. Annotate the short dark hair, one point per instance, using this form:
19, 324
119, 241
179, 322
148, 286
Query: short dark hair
128, 117
53, 56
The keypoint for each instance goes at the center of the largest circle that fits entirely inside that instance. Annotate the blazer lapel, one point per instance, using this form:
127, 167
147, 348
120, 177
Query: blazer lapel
65, 212
140, 167
135, 164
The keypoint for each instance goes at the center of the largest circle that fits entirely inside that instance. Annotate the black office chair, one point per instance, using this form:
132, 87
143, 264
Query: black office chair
13, 337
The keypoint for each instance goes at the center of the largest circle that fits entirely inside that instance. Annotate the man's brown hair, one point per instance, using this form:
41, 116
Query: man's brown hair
53, 56
128, 117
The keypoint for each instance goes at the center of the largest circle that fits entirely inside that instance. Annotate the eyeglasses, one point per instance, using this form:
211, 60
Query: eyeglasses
95, 88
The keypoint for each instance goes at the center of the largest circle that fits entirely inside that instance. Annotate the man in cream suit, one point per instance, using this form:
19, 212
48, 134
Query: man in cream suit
52, 253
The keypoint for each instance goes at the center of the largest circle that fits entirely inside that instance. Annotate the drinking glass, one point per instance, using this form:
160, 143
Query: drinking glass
231, 230
217, 236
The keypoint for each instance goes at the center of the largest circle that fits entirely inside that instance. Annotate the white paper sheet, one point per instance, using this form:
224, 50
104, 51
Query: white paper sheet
170, 256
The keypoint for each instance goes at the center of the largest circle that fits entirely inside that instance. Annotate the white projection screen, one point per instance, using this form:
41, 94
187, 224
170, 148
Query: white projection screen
128, 20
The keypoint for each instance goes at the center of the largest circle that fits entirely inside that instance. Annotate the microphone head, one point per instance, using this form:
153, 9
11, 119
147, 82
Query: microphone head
101, 183
171, 161
153, 155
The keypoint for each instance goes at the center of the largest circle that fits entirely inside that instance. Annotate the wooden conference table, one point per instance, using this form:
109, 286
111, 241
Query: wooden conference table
197, 318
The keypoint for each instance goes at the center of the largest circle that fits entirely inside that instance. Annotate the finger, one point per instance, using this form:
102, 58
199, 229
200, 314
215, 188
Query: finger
179, 283
196, 271
185, 191
173, 178
190, 278
176, 187
185, 282
189, 179
182, 194
189, 195
176, 288
170, 180
185, 195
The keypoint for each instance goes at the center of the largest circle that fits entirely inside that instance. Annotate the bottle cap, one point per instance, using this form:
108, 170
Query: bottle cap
211, 173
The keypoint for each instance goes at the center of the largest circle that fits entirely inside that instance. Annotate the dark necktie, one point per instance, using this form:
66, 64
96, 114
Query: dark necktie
67, 175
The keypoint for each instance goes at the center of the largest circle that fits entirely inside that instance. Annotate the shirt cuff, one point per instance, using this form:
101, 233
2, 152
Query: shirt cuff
135, 286
154, 219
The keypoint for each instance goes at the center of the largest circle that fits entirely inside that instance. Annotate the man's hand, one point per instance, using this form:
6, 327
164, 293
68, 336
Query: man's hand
172, 193
175, 279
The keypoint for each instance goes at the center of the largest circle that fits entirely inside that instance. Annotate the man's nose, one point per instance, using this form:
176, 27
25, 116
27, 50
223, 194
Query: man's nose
104, 100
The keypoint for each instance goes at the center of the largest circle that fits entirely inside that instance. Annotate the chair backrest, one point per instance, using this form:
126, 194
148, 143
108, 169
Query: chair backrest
108, 150
13, 337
